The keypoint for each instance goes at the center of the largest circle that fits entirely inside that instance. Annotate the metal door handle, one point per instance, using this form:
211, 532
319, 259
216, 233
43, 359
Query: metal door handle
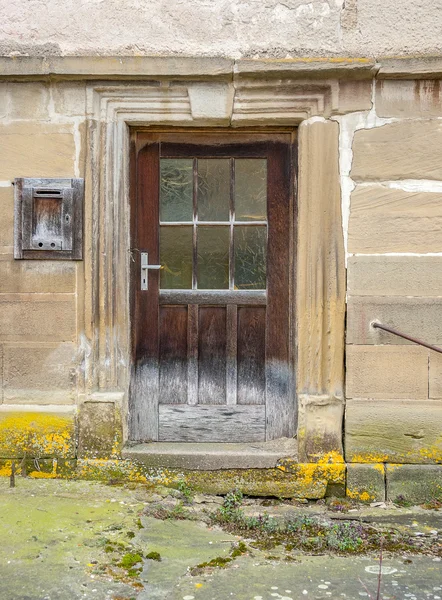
145, 266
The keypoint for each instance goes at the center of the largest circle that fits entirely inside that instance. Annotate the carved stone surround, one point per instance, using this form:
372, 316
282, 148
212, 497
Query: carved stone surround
112, 109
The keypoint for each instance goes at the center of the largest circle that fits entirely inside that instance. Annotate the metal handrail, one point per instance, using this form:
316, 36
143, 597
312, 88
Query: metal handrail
406, 337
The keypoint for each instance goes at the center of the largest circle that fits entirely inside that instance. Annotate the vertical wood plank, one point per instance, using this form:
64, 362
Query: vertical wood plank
212, 355
231, 368
143, 412
192, 354
173, 355
280, 397
251, 355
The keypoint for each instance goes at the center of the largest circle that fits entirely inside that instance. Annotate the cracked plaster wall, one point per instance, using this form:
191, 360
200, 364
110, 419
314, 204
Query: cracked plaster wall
234, 28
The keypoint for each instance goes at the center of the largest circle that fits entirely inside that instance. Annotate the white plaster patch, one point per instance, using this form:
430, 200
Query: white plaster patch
5, 183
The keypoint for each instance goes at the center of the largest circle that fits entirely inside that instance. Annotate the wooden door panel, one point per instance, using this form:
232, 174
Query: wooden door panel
214, 365
173, 355
212, 355
251, 355
202, 423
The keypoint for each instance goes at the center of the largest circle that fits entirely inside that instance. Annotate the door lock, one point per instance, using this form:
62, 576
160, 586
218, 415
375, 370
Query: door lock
145, 266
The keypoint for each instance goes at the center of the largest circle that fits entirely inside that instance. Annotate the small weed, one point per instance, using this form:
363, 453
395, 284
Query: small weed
402, 501
154, 556
432, 505
130, 535
233, 499
186, 491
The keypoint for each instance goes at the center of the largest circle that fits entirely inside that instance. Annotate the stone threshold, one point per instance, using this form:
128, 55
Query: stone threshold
212, 456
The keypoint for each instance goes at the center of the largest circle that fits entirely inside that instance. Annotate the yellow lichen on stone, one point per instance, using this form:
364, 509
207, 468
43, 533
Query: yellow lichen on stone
36, 435
362, 496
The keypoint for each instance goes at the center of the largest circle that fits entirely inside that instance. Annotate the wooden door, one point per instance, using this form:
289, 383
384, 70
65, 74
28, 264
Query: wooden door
212, 334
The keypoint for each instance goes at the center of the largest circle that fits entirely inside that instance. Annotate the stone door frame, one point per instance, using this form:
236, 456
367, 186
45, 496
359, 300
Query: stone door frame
218, 101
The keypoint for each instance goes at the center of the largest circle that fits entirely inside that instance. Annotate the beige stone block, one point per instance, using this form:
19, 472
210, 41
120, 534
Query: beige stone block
6, 218
97, 430
21, 276
36, 150
403, 150
3, 99
418, 317
69, 98
321, 273
28, 100
320, 428
37, 317
39, 374
435, 375
211, 101
388, 220
387, 372
394, 276
410, 99
395, 431
354, 96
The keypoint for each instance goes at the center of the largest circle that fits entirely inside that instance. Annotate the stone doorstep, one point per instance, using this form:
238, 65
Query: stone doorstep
212, 457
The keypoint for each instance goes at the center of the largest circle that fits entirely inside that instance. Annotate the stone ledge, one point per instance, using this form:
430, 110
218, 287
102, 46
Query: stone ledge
419, 67
115, 67
353, 68
212, 457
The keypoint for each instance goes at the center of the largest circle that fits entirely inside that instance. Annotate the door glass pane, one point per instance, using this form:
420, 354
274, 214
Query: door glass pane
250, 189
250, 257
176, 257
213, 258
176, 189
213, 189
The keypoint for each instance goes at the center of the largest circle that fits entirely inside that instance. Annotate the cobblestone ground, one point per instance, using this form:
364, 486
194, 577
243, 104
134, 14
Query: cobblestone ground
67, 540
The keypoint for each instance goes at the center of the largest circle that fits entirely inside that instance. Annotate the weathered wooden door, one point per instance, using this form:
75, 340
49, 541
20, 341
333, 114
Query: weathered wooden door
212, 328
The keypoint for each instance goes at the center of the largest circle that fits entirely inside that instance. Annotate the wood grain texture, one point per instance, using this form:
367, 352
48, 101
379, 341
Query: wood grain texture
173, 355
143, 413
251, 355
212, 355
192, 356
232, 351
182, 423
280, 398
214, 297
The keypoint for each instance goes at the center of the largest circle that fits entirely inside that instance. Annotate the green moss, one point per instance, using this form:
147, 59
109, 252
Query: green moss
129, 560
154, 556
239, 550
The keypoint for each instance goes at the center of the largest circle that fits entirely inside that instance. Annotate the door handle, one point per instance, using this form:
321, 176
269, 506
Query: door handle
145, 266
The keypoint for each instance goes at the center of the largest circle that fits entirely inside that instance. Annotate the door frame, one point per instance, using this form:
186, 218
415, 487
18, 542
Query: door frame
281, 421
211, 98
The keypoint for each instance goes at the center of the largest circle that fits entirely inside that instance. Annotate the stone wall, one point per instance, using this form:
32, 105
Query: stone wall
393, 192
378, 124
42, 128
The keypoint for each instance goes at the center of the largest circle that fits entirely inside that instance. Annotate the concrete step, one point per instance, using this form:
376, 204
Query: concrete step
211, 457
